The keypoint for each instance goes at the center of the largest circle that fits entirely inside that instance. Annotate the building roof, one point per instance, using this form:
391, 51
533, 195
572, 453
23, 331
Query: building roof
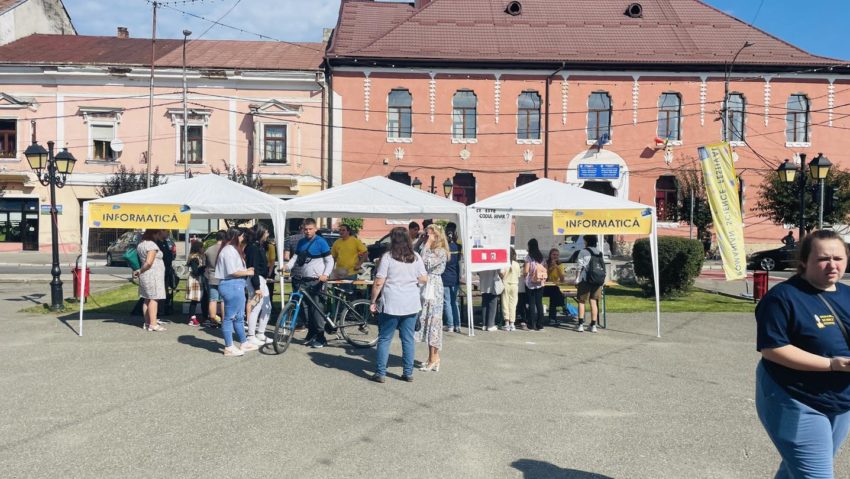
578, 32
9, 4
209, 54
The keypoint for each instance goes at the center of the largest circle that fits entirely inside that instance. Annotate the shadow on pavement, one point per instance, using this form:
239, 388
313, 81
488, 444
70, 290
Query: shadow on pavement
358, 366
213, 346
534, 469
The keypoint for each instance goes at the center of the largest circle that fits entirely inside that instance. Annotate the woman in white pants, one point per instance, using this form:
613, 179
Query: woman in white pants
261, 303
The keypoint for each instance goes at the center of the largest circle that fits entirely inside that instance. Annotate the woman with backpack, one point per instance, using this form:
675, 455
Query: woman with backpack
588, 284
535, 278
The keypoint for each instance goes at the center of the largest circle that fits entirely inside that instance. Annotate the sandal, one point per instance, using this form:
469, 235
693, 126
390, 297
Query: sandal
155, 329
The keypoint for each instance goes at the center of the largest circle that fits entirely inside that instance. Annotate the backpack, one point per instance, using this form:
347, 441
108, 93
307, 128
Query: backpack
539, 275
595, 269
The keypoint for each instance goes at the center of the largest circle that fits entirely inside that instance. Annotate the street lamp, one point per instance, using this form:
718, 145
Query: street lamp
819, 168
186, 34
53, 171
448, 186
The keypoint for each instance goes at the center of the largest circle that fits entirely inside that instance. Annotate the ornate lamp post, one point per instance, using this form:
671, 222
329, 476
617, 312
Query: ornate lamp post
448, 187
51, 171
818, 170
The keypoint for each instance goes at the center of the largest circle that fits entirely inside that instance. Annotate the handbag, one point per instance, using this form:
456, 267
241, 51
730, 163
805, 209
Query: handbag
131, 256
837, 320
498, 285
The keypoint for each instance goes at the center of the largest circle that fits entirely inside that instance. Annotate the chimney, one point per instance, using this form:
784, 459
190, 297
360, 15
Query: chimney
123, 32
326, 34
421, 3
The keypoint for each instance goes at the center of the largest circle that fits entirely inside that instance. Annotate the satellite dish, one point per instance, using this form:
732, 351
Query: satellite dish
117, 145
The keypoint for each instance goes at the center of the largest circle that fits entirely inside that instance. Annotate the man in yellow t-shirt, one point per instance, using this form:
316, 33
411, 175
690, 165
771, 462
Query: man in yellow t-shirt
348, 252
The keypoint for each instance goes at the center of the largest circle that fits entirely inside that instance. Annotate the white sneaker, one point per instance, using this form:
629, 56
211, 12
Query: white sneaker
506, 327
580, 327
248, 346
233, 351
255, 341
593, 328
265, 339
492, 328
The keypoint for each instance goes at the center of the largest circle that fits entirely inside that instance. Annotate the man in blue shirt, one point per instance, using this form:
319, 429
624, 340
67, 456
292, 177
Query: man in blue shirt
315, 263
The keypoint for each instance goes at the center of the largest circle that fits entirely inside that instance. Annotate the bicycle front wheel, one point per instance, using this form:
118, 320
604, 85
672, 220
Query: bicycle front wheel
284, 329
358, 325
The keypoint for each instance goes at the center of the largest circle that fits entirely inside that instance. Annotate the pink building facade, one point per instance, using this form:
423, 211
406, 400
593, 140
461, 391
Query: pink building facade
252, 106
473, 109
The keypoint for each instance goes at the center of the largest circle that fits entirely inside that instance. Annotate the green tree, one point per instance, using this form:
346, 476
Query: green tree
354, 224
238, 175
780, 201
124, 181
691, 183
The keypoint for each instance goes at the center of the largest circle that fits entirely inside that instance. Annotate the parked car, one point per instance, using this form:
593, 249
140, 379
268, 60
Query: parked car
115, 251
378, 248
572, 245
773, 259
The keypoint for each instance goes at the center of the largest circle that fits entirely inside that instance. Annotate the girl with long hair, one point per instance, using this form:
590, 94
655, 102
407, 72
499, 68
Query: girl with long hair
533, 286
554, 275
435, 253
261, 308
231, 270
151, 277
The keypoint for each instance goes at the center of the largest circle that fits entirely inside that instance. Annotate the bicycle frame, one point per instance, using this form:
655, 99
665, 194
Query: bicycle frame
297, 297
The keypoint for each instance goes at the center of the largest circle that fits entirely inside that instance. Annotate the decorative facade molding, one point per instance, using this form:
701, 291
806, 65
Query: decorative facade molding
635, 98
367, 91
527, 156
9, 102
432, 94
105, 114
703, 93
830, 99
497, 95
275, 108
767, 99
197, 116
565, 92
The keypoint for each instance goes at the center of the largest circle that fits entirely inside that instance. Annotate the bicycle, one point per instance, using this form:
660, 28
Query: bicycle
351, 320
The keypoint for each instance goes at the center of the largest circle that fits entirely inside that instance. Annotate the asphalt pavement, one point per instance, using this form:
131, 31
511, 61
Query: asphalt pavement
121, 402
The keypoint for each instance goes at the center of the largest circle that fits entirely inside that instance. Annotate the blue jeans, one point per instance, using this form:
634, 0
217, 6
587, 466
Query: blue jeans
387, 324
233, 294
451, 312
807, 439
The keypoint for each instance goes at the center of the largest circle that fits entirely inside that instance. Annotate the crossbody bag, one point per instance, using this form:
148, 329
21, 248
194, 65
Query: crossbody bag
837, 320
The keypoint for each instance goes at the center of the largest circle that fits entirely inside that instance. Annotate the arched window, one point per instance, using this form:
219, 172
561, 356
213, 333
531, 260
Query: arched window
528, 116
399, 121
598, 115
797, 119
666, 198
464, 110
670, 116
735, 117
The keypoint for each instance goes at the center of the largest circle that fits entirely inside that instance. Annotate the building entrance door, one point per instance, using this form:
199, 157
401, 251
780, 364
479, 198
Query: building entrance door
29, 232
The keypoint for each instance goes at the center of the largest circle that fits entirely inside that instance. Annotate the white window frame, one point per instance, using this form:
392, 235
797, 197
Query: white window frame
679, 141
590, 142
197, 117
530, 141
101, 116
260, 141
391, 139
808, 142
17, 138
463, 140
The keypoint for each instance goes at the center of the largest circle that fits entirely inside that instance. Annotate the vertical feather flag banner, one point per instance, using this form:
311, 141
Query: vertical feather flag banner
721, 187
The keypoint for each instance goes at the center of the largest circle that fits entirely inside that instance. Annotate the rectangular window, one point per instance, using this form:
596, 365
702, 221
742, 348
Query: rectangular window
528, 116
195, 149
736, 112
797, 119
598, 116
399, 115
8, 138
274, 144
464, 110
669, 116
102, 136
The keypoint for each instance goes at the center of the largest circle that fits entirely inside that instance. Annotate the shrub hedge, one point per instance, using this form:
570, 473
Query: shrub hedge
679, 263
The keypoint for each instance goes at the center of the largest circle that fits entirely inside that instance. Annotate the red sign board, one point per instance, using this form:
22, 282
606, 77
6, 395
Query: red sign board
488, 255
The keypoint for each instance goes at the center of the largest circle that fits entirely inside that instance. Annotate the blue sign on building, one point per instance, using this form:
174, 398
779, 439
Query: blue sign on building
599, 171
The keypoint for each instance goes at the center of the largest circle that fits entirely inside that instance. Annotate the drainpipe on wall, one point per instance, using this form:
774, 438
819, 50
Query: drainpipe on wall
546, 122
330, 146
320, 81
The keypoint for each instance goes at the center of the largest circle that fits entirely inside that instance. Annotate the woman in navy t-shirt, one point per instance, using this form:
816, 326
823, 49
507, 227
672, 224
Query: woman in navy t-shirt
803, 379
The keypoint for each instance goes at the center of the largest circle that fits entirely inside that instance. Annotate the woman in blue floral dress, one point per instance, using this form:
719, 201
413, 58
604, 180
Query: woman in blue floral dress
435, 253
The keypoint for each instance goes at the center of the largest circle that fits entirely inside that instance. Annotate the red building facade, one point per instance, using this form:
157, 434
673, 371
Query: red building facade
605, 95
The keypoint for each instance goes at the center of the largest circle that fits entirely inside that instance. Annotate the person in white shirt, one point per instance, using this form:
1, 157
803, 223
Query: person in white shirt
231, 271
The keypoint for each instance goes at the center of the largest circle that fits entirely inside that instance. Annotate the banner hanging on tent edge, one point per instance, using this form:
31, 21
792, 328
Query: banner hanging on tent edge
602, 222
721, 188
138, 216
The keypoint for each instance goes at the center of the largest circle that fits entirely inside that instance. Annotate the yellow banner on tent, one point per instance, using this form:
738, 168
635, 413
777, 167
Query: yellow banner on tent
602, 222
721, 188
132, 216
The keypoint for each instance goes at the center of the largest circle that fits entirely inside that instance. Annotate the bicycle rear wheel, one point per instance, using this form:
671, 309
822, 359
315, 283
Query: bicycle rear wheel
284, 329
358, 325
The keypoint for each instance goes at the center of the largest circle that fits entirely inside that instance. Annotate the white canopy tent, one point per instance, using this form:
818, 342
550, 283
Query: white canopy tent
541, 197
207, 196
380, 197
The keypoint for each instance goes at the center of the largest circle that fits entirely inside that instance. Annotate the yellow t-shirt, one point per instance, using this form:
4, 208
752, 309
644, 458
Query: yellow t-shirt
346, 252
555, 274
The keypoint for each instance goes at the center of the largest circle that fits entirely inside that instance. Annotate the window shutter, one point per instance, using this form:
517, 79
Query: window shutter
102, 132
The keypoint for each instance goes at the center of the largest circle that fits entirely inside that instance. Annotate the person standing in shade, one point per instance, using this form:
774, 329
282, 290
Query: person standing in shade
451, 280
803, 378
195, 283
313, 258
151, 277
210, 256
553, 292
586, 291
348, 252
435, 253
533, 270
395, 298
491, 286
510, 297
231, 271
256, 258
413, 231
789, 240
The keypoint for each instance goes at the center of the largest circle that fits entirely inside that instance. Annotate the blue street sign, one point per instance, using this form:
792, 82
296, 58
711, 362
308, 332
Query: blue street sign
597, 171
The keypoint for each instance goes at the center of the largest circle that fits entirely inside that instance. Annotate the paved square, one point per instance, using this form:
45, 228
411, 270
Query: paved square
120, 402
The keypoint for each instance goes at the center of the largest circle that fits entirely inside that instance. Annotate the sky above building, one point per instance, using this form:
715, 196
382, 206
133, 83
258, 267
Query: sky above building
817, 26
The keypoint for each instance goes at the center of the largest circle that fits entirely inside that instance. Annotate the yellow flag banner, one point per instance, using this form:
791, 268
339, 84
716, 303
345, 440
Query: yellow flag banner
131, 216
601, 222
721, 188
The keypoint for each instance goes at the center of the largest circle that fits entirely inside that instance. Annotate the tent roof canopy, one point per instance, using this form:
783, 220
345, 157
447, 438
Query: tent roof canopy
207, 196
375, 197
542, 196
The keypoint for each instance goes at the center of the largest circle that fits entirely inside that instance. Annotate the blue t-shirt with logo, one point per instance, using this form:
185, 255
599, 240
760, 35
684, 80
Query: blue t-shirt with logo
451, 275
791, 313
